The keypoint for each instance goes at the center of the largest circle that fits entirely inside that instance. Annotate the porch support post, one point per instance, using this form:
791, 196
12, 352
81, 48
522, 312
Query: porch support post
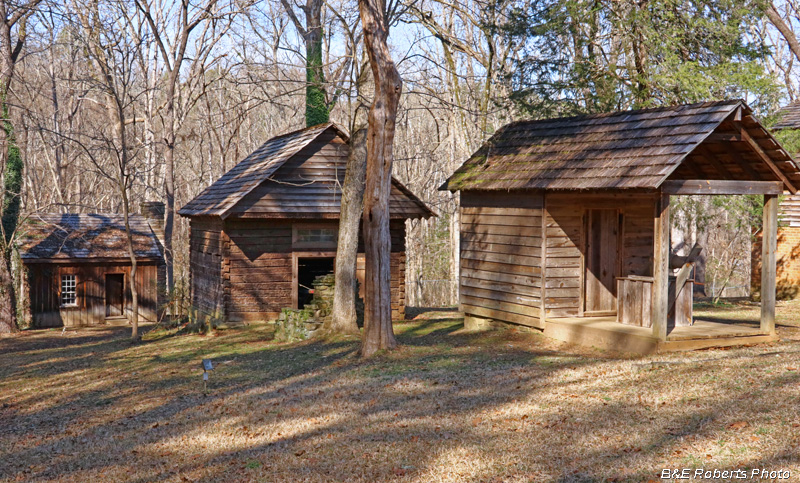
661, 247
769, 241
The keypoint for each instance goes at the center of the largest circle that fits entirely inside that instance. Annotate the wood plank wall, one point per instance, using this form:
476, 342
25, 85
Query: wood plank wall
259, 256
205, 265
501, 250
566, 244
501, 247
44, 287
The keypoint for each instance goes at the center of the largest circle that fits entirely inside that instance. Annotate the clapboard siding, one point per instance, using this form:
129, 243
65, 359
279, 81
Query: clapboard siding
501, 248
565, 244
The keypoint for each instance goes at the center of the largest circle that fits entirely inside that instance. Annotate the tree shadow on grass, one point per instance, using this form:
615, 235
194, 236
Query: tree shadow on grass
314, 411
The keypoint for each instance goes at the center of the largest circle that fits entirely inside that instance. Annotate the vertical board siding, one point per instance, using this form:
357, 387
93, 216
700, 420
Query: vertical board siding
45, 284
501, 248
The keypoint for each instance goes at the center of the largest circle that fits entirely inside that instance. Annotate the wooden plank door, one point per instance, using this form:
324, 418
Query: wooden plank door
114, 294
602, 246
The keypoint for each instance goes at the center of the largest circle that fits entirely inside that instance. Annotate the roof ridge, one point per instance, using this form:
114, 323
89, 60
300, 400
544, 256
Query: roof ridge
602, 115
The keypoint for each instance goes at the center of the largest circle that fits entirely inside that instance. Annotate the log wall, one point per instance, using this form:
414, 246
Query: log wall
245, 271
44, 285
205, 265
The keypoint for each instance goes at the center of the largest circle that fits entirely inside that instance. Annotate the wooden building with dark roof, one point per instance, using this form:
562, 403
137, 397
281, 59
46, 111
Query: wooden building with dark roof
263, 231
78, 266
788, 247
565, 222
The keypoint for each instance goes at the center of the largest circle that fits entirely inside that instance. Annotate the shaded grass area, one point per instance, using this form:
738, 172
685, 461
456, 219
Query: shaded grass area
502, 405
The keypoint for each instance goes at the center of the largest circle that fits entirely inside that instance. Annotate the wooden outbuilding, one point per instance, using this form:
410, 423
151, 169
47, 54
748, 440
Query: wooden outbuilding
263, 231
78, 266
565, 223
788, 247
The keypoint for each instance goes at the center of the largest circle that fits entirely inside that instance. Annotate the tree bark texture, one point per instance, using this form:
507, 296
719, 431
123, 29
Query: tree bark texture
343, 315
378, 333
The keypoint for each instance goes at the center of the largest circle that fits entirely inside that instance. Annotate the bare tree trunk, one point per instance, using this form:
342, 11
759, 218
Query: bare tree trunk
343, 316
378, 333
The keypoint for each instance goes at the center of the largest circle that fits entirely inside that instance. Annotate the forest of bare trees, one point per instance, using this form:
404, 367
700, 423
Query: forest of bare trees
114, 102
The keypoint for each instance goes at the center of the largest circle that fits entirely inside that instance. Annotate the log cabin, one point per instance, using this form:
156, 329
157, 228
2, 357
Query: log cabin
565, 223
265, 229
78, 266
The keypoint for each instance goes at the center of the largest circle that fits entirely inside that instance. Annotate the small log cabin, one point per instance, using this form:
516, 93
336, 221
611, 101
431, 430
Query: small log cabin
78, 266
565, 223
264, 230
788, 249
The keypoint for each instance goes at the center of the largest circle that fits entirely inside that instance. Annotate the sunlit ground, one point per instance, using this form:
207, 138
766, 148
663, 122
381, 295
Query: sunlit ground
503, 405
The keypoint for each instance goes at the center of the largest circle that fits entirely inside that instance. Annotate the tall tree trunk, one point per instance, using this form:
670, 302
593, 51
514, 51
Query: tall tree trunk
378, 333
343, 315
13, 170
316, 105
169, 178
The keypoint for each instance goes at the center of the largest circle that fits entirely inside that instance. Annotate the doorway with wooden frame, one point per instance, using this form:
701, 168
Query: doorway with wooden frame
602, 229
115, 294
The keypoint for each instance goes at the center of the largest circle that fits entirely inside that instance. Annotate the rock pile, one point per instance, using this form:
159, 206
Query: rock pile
294, 325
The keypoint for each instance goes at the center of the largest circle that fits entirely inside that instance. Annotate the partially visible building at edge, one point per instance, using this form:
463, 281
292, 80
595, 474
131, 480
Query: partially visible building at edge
788, 252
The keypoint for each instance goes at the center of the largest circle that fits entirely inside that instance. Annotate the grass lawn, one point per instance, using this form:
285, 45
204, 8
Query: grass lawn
504, 405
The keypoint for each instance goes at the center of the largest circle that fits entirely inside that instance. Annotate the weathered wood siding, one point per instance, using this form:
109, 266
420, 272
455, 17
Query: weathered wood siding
512, 242
44, 285
566, 244
501, 249
259, 257
205, 265
309, 186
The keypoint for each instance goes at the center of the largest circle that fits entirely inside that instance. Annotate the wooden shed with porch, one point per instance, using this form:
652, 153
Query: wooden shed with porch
263, 231
565, 223
79, 269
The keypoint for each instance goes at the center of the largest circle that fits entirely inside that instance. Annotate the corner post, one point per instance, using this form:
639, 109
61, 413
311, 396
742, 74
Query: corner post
769, 241
661, 247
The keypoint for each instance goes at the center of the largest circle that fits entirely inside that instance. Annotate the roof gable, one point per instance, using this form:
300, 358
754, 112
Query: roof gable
86, 236
620, 150
299, 181
218, 198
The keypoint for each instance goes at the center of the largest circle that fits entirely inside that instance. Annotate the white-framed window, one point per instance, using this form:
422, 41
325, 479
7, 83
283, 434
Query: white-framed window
69, 290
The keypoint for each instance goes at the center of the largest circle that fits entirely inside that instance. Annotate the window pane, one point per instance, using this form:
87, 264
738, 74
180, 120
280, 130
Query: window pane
69, 292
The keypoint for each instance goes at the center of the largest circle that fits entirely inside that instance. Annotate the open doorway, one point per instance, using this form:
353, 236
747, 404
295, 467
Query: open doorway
115, 285
307, 270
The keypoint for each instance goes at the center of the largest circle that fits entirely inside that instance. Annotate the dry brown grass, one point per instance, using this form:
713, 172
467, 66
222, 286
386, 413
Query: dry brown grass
505, 405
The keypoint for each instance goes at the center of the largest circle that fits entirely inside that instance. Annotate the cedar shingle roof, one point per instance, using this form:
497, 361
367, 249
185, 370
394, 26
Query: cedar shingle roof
231, 187
620, 150
97, 235
788, 117
308, 186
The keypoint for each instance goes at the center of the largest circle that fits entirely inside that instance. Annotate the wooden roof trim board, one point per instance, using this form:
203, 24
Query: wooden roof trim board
623, 150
